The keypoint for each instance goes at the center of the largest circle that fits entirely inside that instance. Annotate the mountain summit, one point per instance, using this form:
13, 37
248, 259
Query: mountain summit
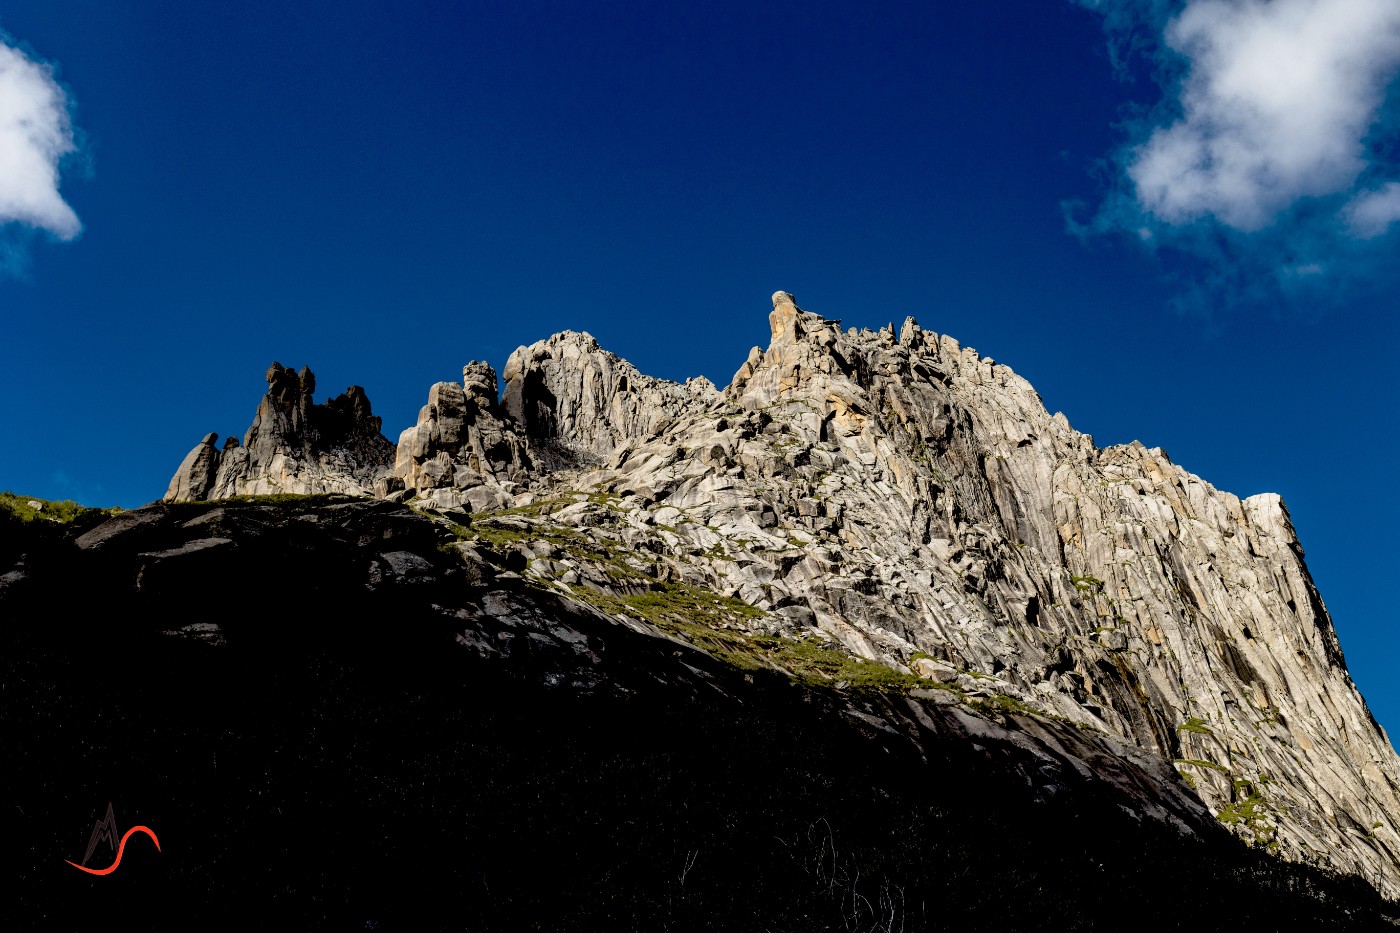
899, 500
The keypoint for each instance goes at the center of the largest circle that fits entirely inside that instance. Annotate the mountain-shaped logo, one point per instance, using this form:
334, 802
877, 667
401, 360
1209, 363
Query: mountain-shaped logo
105, 830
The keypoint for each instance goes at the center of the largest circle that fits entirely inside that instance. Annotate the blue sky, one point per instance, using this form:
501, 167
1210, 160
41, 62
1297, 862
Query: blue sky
1174, 218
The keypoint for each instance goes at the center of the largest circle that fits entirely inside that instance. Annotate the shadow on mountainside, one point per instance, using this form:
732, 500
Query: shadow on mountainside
332, 721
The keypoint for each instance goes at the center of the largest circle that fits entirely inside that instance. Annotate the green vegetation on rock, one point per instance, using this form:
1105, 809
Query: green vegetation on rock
61, 512
1088, 584
715, 624
720, 625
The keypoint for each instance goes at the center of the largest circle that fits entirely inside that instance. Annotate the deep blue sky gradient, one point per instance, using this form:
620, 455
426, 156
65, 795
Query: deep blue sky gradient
384, 191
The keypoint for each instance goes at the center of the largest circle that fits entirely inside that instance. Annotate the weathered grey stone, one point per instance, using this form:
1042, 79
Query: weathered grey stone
462, 440
292, 446
195, 477
399, 568
188, 548
1109, 587
388, 484
577, 403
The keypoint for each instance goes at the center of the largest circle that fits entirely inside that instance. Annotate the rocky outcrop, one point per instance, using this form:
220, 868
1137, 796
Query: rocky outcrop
915, 502
293, 446
897, 497
195, 477
577, 403
463, 451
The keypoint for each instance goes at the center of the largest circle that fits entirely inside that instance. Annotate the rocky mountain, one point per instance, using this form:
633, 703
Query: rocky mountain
887, 507
337, 712
293, 446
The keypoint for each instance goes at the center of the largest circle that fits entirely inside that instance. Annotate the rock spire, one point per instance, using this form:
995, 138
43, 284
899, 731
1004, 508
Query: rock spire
293, 446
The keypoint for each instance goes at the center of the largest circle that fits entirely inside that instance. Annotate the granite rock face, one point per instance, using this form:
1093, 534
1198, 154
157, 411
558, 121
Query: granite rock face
293, 446
577, 403
464, 451
894, 496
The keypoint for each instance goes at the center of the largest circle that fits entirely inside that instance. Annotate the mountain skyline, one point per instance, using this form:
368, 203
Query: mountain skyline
385, 194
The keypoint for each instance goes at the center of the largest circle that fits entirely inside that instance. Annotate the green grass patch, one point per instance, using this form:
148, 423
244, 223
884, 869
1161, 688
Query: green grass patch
551, 504
1088, 585
1249, 812
535, 509
1195, 724
60, 512
719, 625
820, 664
591, 549
717, 553
716, 624
1001, 703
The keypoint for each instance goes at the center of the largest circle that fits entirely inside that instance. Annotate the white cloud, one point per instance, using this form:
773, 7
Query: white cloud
1275, 107
1268, 172
1372, 212
35, 134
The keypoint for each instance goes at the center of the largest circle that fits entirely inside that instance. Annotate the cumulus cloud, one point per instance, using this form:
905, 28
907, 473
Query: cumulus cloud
35, 134
1272, 133
1371, 213
1276, 106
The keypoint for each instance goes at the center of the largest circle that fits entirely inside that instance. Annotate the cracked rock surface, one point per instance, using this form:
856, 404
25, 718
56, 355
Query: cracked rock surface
293, 446
895, 497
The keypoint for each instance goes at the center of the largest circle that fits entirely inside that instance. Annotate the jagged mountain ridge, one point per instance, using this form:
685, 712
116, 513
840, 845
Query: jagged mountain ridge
293, 443
898, 494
